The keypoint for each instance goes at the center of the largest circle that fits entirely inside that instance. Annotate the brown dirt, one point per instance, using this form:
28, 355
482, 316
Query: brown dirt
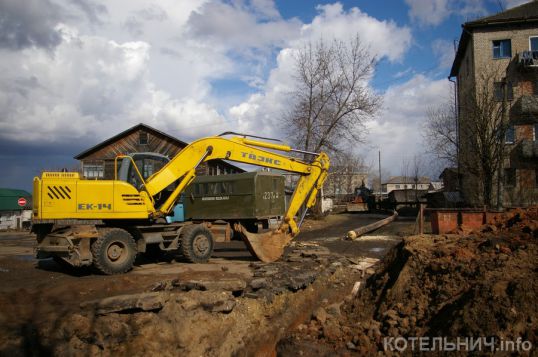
478, 285
47, 309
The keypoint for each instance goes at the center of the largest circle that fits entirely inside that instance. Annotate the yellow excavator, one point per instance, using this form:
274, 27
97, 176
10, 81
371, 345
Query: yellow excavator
105, 223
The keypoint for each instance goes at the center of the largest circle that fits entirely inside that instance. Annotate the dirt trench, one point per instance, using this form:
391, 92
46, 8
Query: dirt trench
228, 316
482, 284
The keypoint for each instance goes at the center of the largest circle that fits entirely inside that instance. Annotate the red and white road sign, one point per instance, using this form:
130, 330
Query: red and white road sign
22, 202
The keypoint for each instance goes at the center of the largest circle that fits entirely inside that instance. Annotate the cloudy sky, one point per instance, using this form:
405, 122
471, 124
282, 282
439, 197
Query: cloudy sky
75, 72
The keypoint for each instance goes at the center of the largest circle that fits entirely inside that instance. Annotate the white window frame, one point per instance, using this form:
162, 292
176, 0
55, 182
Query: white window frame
531, 37
95, 168
506, 141
493, 48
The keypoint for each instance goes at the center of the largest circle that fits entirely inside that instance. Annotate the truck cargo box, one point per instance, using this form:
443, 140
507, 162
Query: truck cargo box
249, 195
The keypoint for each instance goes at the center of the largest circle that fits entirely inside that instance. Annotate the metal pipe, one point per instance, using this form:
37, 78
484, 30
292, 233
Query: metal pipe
305, 152
303, 215
456, 115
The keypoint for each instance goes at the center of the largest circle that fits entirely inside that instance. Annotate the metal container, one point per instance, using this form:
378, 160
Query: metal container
249, 195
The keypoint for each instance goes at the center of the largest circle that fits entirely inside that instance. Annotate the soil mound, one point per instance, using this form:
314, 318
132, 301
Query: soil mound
479, 285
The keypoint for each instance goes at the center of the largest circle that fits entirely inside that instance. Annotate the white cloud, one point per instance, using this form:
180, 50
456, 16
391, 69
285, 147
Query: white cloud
234, 26
434, 12
444, 51
428, 12
137, 61
104, 74
262, 112
384, 38
514, 3
88, 87
400, 123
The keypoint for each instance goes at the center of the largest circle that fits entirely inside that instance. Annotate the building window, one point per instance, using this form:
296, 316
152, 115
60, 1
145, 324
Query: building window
142, 138
509, 177
397, 186
498, 94
533, 43
148, 170
510, 135
502, 49
93, 171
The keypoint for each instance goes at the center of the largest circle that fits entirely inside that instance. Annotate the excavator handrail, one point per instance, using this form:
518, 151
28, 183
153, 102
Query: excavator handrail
247, 136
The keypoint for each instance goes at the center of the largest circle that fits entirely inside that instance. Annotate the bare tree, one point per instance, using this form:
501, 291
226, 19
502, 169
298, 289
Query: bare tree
331, 99
346, 168
483, 132
416, 170
440, 133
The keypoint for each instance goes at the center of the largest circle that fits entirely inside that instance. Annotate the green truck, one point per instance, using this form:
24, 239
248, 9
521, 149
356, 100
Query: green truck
249, 198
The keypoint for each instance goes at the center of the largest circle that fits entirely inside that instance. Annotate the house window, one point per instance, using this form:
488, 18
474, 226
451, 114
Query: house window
510, 135
93, 171
498, 91
502, 49
509, 177
397, 186
148, 170
533, 43
143, 138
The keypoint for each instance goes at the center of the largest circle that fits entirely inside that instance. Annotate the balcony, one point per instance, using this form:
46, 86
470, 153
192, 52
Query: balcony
528, 148
524, 110
528, 59
524, 154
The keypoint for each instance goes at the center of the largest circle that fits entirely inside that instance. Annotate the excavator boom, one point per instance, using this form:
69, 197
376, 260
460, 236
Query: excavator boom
265, 246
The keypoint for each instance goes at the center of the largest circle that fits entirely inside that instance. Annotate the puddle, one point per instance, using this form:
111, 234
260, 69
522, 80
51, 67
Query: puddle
26, 258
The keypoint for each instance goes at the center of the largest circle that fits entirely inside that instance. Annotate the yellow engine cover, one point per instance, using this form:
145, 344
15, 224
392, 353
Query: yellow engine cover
64, 195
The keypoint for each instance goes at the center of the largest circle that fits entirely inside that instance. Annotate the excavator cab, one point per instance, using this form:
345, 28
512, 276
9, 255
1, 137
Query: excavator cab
147, 163
136, 168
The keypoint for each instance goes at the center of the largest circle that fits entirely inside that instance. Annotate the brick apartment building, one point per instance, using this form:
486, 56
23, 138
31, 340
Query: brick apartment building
499, 55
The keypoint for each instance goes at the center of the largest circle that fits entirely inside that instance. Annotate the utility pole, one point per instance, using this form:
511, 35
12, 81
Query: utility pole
380, 184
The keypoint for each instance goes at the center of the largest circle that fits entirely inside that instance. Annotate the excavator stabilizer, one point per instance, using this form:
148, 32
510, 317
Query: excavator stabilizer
267, 247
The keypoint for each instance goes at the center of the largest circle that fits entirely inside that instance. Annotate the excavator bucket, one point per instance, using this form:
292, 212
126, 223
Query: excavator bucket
268, 246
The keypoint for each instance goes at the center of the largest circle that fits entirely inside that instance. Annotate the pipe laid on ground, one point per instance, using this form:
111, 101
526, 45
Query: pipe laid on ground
356, 233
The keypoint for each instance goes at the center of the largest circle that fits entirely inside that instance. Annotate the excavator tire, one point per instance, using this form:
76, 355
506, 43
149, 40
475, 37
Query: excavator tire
196, 243
114, 251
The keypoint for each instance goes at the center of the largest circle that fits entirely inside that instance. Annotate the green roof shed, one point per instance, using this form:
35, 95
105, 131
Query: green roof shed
9, 199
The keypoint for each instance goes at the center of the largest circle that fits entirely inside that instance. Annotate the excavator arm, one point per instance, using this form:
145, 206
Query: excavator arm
266, 246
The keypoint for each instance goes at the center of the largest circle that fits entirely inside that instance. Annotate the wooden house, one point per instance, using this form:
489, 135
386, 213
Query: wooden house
97, 162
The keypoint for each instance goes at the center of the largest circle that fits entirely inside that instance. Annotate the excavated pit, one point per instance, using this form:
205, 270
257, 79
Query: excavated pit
481, 284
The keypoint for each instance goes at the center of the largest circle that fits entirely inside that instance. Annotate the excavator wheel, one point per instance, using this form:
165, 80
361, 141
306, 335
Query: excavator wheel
114, 251
196, 243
